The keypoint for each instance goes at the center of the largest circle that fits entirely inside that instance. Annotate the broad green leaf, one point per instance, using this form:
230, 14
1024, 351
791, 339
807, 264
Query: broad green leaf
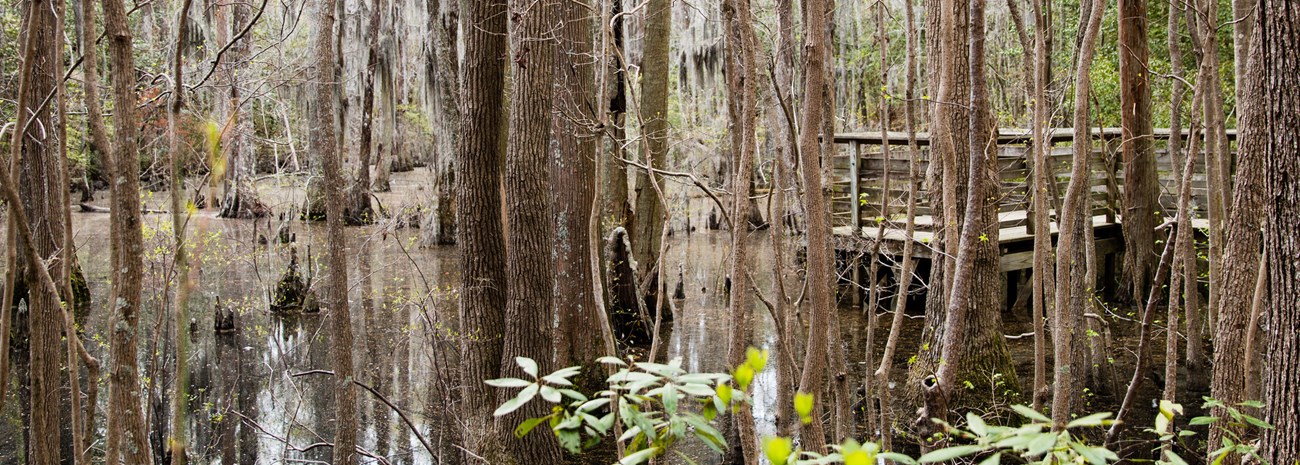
1096, 419
724, 394
608, 360
1030, 413
524, 428
593, 404
977, 424
639, 456
518, 401
859, 457
744, 375
507, 383
949, 453
756, 359
778, 450
1041, 444
551, 395
897, 458
995, 459
1198, 421
529, 365
803, 405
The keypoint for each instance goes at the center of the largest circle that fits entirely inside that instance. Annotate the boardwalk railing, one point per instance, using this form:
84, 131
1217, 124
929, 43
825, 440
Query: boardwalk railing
860, 168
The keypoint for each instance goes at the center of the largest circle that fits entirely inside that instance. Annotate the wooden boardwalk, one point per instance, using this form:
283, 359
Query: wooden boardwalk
859, 204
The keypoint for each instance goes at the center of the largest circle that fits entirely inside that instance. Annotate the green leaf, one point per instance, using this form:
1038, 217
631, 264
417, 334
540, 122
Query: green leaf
949, 453
608, 360
803, 405
551, 395
744, 375
1096, 419
639, 456
1173, 458
593, 404
670, 399
778, 450
507, 383
524, 428
529, 365
724, 394
977, 424
995, 459
519, 401
1198, 421
1030, 413
1040, 444
897, 458
756, 359
706, 432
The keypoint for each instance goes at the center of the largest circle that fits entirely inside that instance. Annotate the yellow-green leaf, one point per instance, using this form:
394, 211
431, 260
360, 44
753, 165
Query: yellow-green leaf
803, 405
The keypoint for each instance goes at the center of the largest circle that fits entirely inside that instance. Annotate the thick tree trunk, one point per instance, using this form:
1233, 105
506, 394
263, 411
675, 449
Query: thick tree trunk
616, 209
36, 151
241, 199
358, 210
649, 222
529, 215
478, 215
1241, 255
1044, 284
340, 312
573, 161
441, 228
1071, 296
1141, 188
126, 429
1279, 50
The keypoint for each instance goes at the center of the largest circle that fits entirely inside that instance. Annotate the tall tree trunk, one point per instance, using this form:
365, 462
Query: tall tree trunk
340, 312
1141, 188
1044, 284
441, 229
179, 440
1279, 51
478, 215
126, 428
1071, 296
35, 152
241, 199
574, 162
649, 222
616, 209
742, 85
358, 209
1241, 253
821, 273
529, 230
98, 168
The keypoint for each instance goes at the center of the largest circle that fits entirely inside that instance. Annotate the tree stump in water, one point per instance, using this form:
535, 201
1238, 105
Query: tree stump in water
224, 320
291, 291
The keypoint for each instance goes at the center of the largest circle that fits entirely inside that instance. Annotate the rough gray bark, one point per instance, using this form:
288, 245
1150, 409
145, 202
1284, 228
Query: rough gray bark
126, 435
1071, 296
529, 308
358, 210
820, 267
478, 215
1044, 284
1141, 188
1279, 50
742, 85
340, 313
1241, 255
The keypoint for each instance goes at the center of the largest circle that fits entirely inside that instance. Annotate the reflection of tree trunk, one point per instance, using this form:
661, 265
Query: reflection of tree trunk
249, 382
1279, 50
529, 216
478, 215
126, 429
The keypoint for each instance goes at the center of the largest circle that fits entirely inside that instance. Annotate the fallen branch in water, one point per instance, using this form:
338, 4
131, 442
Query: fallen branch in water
88, 208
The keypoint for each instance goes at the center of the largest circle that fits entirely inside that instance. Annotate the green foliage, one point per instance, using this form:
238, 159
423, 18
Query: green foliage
650, 406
